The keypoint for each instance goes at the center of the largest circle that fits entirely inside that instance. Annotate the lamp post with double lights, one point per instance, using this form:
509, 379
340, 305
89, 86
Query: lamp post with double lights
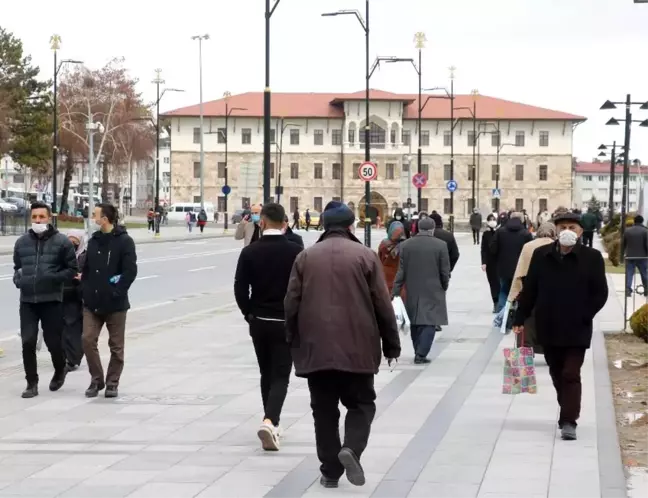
628, 103
55, 45
226, 188
613, 163
473, 113
200, 39
279, 187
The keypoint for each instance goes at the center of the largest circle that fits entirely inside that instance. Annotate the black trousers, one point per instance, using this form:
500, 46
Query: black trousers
50, 317
73, 331
475, 232
295, 224
356, 392
565, 367
493, 281
588, 238
275, 364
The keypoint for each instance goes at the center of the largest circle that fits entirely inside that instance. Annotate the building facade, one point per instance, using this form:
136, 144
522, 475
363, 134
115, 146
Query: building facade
318, 146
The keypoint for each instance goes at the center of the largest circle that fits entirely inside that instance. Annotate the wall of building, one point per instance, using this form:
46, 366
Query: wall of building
587, 185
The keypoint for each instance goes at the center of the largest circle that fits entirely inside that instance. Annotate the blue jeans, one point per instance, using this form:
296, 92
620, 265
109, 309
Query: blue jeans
505, 287
642, 266
422, 339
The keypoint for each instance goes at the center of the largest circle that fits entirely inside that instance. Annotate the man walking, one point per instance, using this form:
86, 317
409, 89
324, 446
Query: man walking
635, 241
424, 270
338, 312
110, 269
307, 219
566, 285
476, 225
589, 221
44, 261
260, 284
295, 225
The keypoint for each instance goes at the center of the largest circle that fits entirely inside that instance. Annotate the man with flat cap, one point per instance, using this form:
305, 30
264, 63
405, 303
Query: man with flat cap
566, 285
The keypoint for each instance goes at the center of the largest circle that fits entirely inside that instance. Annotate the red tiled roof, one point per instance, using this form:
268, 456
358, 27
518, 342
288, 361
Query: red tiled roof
329, 105
603, 168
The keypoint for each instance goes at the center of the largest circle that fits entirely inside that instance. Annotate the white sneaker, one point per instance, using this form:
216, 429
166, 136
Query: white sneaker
269, 436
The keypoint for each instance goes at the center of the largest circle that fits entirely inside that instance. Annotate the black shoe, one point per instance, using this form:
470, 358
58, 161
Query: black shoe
31, 391
327, 482
437, 328
351, 463
422, 360
57, 381
568, 432
111, 392
93, 390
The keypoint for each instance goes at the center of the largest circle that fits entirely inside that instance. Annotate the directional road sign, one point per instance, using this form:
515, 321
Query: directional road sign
368, 171
419, 180
226, 189
497, 193
451, 186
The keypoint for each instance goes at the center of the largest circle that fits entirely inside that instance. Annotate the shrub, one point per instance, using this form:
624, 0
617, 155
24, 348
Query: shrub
69, 218
639, 323
613, 249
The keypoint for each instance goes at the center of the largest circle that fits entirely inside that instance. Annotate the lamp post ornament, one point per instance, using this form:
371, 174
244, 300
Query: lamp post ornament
420, 40
55, 42
452, 70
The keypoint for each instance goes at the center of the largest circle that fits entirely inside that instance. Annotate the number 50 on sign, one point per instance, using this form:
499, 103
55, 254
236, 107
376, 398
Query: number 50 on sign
368, 171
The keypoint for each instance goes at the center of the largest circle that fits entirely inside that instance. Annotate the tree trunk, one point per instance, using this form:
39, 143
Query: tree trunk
104, 182
67, 178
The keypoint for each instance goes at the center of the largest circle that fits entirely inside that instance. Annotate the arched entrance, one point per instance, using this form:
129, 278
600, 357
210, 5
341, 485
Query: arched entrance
377, 208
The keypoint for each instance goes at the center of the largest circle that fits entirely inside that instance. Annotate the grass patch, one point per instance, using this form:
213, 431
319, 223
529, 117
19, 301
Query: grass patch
610, 268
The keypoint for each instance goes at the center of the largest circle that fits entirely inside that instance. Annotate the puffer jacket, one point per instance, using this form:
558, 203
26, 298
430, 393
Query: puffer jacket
42, 265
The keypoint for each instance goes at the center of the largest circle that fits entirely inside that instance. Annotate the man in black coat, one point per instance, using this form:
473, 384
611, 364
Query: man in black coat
44, 261
453, 248
566, 285
292, 236
109, 270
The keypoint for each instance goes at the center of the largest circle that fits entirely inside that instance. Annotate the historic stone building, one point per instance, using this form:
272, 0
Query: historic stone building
318, 145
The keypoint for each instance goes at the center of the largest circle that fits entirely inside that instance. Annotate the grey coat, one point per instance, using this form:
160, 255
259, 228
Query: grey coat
424, 270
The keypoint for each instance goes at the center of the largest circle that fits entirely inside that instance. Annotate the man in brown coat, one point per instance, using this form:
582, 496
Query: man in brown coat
338, 315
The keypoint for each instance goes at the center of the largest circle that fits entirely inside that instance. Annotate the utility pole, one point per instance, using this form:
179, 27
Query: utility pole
200, 39
452, 124
158, 214
420, 40
267, 98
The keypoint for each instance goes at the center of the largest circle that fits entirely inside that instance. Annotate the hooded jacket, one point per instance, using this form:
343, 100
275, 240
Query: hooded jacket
108, 255
507, 245
406, 224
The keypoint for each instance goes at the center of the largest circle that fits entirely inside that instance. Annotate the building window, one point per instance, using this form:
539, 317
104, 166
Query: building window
318, 137
469, 205
390, 171
272, 170
424, 205
519, 172
519, 139
425, 138
273, 136
196, 169
495, 139
447, 138
495, 172
221, 204
471, 172
318, 174
542, 173
336, 137
337, 199
196, 135
245, 203
196, 199
317, 204
406, 167
221, 135
392, 136
519, 205
294, 204
471, 139
337, 171
446, 206
294, 171
544, 139
167, 160
351, 137
588, 178
447, 172
407, 137
246, 136
221, 170
425, 169
294, 137
542, 205
602, 178
356, 171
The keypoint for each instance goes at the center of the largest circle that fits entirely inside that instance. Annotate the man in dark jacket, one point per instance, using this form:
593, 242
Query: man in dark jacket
590, 223
292, 236
566, 285
476, 225
44, 261
635, 241
260, 289
506, 247
453, 248
338, 312
438, 221
110, 269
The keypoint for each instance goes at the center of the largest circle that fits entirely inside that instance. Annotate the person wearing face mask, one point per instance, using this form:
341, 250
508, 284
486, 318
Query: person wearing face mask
73, 306
44, 261
399, 217
248, 230
489, 260
567, 287
260, 289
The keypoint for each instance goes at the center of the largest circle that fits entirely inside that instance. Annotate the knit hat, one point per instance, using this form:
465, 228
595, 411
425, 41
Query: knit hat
337, 214
426, 224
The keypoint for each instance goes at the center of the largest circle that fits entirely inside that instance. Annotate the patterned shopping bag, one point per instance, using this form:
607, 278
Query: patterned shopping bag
519, 370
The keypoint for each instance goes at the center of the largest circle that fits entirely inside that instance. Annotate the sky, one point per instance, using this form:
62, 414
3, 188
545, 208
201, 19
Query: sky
568, 55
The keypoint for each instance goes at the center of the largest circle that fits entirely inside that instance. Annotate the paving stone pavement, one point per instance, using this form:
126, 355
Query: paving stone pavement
185, 423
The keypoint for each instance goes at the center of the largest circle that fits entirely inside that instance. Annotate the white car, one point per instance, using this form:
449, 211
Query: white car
7, 207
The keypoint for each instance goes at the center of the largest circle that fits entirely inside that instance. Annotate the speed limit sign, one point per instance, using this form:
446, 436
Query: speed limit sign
368, 171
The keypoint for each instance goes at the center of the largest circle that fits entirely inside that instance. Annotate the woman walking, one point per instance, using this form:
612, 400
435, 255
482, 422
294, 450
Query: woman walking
73, 307
202, 220
489, 262
389, 251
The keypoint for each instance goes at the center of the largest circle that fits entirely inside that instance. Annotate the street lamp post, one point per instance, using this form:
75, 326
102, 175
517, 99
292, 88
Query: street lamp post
420, 40
473, 113
228, 111
613, 162
279, 187
200, 39
267, 102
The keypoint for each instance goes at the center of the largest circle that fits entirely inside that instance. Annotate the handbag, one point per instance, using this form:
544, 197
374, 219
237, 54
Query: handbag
519, 370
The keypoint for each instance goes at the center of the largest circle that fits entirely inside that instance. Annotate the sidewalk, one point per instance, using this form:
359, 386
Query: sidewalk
185, 424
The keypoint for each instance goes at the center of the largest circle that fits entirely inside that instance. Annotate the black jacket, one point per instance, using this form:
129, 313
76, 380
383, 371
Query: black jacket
449, 239
108, 255
506, 246
72, 288
42, 266
566, 291
262, 275
294, 238
487, 257
437, 220
476, 221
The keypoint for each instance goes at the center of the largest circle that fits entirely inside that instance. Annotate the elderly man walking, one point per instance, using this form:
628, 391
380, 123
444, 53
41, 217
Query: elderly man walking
338, 314
424, 270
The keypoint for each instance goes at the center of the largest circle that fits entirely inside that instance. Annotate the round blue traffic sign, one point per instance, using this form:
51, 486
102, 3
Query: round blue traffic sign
226, 189
451, 186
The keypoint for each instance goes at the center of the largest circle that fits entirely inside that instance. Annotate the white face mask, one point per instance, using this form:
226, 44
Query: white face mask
492, 223
39, 227
568, 238
398, 217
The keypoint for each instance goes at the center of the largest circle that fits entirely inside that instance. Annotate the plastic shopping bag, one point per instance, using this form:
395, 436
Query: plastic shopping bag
519, 370
402, 320
504, 318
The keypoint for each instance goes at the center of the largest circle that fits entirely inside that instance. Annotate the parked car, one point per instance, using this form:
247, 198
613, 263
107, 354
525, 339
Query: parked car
179, 210
8, 207
314, 218
22, 205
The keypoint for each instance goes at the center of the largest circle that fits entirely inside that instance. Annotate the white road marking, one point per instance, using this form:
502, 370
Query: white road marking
147, 277
203, 268
175, 257
195, 243
150, 306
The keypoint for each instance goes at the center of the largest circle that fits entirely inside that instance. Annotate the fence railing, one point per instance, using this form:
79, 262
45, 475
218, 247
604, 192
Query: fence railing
634, 285
13, 223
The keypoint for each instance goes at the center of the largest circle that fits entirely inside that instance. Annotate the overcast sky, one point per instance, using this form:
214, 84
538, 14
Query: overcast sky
569, 55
